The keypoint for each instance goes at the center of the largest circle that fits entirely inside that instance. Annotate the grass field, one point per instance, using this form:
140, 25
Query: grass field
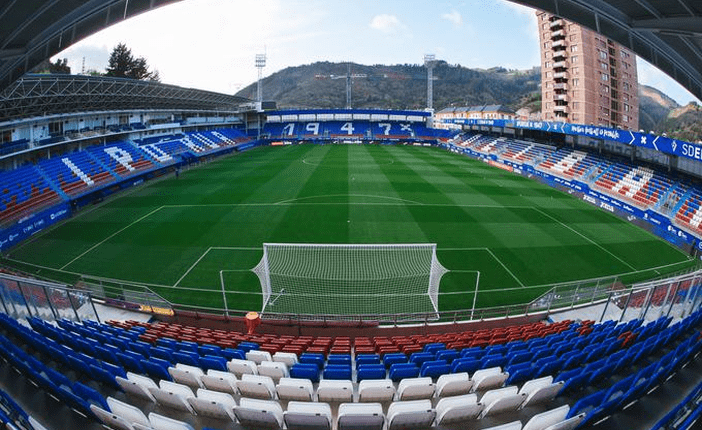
181, 236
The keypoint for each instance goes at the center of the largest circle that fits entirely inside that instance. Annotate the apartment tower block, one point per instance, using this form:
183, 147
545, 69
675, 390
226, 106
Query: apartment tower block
585, 77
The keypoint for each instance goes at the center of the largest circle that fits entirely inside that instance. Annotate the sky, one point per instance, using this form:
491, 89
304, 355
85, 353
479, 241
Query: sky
212, 44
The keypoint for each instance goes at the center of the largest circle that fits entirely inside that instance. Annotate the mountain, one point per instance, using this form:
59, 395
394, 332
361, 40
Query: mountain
323, 85
661, 114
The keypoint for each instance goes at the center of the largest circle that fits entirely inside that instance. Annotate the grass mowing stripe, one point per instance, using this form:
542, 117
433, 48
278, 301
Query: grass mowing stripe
586, 238
111, 236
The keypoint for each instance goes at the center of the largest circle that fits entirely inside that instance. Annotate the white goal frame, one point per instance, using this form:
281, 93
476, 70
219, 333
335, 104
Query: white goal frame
349, 279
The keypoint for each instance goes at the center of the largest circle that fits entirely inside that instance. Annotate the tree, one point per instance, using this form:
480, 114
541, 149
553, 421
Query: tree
60, 66
122, 64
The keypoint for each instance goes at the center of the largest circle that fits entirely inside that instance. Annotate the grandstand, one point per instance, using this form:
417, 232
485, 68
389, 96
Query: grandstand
603, 353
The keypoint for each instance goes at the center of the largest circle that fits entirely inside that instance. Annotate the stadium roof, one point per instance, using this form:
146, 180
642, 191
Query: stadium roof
666, 33
40, 95
34, 30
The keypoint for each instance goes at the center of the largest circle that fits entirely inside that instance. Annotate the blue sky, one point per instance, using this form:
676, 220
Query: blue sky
211, 44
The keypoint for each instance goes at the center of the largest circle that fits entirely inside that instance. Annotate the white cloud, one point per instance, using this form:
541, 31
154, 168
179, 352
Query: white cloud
454, 17
386, 23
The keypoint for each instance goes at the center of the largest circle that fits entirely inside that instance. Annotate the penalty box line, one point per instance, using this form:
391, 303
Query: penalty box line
215, 248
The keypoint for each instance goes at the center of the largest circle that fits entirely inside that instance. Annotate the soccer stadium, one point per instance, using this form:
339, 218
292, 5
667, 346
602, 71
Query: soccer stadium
175, 258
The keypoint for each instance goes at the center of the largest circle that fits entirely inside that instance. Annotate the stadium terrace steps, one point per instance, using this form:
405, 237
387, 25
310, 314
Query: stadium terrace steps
639, 186
581, 359
30, 188
24, 190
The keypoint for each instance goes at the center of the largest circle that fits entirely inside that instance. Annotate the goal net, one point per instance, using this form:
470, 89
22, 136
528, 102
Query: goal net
349, 279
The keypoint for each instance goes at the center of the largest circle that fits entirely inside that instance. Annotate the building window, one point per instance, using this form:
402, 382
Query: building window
576, 70
572, 38
544, 26
574, 59
576, 82
603, 66
574, 48
626, 107
549, 75
626, 118
603, 55
625, 85
576, 105
604, 76
548, 64
547, 45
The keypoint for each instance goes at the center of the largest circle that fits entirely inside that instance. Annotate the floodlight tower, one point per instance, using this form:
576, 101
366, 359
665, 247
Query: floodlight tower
429, 63
348, 86
260, 64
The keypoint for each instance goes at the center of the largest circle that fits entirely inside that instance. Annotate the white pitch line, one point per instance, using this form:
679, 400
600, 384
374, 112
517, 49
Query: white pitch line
586, 238
111, 236
192, 267
505, 267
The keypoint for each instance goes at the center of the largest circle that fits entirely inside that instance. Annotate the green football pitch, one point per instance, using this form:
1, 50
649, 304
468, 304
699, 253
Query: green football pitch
186, 237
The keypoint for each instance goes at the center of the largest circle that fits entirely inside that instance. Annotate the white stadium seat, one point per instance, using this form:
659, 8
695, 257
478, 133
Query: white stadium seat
273, 369
187, 375
137, 385
415, 389
308, 416
515, 425
453, 384
111, 420
259, 413
487, 379
408, 415
131, 414
242, 367
258, 356
360, 416
159, 422
173, 395
256, 386
330, 390
501, 400
458, 409
376, 390
540, 390
555, 419
295, 389
213, 404
285, 357
218, 380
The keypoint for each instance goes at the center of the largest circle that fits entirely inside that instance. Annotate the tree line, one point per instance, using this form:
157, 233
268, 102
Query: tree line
122, 64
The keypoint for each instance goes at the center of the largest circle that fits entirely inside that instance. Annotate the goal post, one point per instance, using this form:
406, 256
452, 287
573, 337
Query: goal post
349, 279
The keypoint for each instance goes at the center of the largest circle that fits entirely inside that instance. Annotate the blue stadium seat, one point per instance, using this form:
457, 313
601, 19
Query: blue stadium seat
339, 359
213, 362
370, 371
338, 371
187, 357
305, 371
448, 355
231, 353
312, 358
156, 368
401, 371
435, 368
393, 358
465, 365
370, 359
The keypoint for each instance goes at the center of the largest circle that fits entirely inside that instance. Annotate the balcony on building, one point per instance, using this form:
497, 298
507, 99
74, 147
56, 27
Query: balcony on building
558, 34
557, 23
561, 75
560, 97
560, 86
559, 44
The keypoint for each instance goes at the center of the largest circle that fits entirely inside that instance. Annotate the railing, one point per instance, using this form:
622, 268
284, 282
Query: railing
675, 296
